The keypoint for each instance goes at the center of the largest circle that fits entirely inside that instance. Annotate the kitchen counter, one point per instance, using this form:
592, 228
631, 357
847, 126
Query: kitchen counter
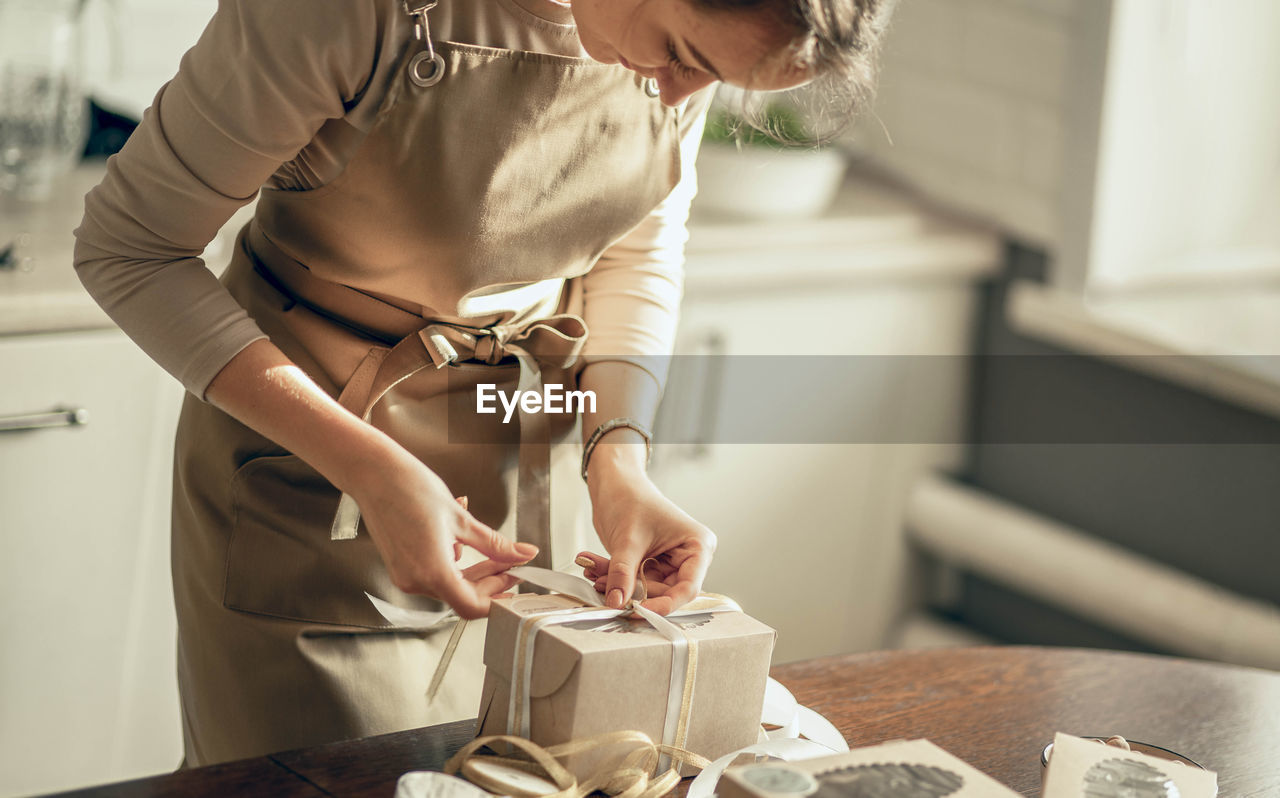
40, 291
873, 232
1222, 340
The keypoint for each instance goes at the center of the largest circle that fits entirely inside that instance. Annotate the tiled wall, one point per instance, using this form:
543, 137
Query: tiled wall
974, 95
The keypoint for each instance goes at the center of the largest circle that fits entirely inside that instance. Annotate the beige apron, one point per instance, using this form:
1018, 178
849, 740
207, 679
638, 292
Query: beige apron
514, 168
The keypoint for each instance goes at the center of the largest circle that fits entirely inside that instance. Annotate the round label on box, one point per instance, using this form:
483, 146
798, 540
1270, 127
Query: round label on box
779, 779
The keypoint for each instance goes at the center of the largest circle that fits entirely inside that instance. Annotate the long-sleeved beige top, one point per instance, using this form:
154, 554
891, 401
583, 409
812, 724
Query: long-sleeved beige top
280, 92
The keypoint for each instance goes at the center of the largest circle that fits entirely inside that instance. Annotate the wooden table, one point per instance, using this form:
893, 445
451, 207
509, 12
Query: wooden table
993, 707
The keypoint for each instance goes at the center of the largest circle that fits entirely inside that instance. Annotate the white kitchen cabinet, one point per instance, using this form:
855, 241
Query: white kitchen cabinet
879, 297
88, 685
88, 690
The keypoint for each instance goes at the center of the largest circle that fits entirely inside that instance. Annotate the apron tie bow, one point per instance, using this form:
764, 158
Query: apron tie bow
414, 344
555, 342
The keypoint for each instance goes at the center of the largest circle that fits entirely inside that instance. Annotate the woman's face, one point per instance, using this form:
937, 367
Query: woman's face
686, 48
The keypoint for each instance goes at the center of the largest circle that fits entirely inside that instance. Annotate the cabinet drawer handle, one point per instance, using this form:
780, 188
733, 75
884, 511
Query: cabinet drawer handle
58, 417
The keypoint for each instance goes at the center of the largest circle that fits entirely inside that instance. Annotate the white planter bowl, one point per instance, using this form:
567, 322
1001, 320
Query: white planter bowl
767, 183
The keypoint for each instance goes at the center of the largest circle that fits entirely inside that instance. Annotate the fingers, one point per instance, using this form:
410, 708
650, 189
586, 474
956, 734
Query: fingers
471, 590
483, 569
657, 568
470, 597
490, 587
488, 542
457, 547
674, 598
663, 605
678, 586
657, 573
589, 559
494, 546
594, 566
688, 583
621, 580
421, 553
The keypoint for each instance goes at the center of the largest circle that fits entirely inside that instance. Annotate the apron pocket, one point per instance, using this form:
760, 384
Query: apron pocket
281, 562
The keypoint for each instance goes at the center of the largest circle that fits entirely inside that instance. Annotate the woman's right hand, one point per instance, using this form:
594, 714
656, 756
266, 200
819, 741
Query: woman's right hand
419, 529
413, 519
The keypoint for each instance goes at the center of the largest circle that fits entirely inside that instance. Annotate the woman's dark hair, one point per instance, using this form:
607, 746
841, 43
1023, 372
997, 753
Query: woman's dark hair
839, 41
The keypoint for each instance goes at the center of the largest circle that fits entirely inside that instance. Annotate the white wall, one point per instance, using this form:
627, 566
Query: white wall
1189, 151
974, 95
1133, 139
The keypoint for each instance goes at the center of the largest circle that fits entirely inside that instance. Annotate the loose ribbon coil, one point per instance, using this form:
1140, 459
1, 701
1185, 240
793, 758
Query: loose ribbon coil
522, 775
535, 772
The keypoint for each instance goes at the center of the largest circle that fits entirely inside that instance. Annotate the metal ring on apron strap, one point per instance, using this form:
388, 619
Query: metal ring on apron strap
426, 68
651, 87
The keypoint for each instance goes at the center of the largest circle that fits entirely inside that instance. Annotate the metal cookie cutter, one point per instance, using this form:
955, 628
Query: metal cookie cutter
427, 68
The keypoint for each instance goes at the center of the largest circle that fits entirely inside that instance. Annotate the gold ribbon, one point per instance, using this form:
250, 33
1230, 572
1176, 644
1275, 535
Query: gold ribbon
631, 777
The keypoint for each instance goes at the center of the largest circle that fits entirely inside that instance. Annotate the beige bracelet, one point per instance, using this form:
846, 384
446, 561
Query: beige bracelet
609, 426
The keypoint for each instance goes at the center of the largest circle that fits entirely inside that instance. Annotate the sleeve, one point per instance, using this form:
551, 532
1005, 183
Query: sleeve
263, 78
632, 295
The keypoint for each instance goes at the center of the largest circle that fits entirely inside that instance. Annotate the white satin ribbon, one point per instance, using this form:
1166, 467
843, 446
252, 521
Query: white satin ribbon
680, 654
559, 582
411, 619
793, 720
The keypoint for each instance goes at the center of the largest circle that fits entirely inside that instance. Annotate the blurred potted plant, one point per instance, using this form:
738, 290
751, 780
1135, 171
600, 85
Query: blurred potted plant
775, 169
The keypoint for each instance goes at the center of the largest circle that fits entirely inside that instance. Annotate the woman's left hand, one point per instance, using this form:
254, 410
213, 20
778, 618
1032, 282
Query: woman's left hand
644, 532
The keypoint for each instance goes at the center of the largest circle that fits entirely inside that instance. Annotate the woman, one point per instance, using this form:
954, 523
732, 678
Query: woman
453, 195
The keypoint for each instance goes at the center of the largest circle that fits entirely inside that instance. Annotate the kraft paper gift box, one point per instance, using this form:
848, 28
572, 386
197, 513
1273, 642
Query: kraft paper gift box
594, 676
903, 769
1080, 768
